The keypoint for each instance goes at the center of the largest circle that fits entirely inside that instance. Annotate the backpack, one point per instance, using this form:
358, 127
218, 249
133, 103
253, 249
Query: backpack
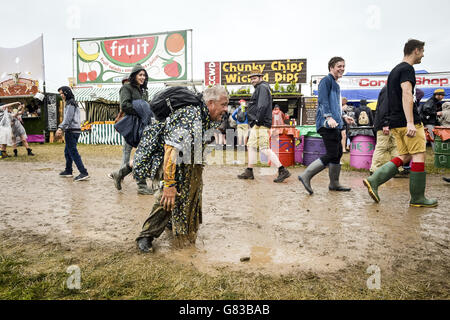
171, 99
363, 118
240, 115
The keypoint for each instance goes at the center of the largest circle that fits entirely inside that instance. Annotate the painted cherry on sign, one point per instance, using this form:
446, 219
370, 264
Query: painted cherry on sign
82, 76
92, 75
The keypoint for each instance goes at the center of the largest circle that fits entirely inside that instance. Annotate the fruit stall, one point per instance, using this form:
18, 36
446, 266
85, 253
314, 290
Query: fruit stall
99, 107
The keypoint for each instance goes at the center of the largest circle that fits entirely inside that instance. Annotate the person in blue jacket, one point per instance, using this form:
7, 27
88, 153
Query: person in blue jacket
242, 126
329, 123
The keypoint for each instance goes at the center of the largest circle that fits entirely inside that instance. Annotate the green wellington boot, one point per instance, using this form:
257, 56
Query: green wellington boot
417, 181
380, 176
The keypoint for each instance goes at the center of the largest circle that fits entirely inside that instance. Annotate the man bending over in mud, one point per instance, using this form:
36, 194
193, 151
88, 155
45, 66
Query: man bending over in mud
181, 196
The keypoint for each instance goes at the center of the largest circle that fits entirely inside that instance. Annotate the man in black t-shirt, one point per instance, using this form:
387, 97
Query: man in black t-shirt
407, 128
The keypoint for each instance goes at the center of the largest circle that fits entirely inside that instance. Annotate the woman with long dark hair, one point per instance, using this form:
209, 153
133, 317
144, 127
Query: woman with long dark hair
135, 89
71, 126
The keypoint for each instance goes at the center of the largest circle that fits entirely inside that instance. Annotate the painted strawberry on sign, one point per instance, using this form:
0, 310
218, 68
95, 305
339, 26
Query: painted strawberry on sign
171, 68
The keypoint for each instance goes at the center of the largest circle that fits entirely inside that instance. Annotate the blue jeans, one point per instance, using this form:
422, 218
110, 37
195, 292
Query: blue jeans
71, 152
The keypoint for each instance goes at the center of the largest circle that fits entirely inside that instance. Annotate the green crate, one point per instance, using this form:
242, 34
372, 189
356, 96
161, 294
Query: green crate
441, 153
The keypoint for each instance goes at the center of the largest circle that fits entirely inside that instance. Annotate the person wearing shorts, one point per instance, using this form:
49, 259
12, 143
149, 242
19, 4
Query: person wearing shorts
259, 114
407, 129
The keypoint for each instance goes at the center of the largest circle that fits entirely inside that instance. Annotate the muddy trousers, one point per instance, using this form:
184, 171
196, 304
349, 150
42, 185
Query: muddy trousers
154, 225
126, 153
385, 150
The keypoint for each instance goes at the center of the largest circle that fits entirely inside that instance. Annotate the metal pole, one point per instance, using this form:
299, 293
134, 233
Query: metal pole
192, 59
43, 61
73, 61
45, 113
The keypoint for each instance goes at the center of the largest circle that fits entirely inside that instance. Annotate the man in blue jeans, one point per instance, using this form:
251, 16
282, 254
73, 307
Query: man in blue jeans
71, 126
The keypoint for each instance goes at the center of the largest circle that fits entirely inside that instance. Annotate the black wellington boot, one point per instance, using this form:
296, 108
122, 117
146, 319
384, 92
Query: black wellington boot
334, 171
145, 244
119, 175
314, 168
247, 174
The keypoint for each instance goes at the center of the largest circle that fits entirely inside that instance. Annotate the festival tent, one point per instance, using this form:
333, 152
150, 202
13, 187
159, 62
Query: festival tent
357, 86
22, 78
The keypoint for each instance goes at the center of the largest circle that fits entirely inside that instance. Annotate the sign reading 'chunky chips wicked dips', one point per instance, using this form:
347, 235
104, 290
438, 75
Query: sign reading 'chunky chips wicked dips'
107, 60
281, 71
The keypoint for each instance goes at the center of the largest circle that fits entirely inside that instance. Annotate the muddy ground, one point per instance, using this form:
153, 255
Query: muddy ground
279, 227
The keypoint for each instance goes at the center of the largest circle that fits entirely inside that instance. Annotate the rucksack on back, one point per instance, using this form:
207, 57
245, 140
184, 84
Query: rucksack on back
171, 99
240, 115
363, 118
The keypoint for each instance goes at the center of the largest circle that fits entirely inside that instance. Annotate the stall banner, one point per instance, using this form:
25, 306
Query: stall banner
309, 111
368, 86
429, 80
107, 60
18, 87
22, 69
237, 72
212, 73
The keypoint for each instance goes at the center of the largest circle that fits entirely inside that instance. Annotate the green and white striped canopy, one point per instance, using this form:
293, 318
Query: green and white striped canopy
83, 94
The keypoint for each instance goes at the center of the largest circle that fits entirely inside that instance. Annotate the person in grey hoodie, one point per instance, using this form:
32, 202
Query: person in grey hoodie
71, 126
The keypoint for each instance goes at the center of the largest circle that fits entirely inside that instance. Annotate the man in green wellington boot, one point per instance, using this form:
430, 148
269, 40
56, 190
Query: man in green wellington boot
406, 126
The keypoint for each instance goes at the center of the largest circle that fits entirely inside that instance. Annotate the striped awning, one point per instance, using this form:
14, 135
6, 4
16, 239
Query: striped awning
83, 94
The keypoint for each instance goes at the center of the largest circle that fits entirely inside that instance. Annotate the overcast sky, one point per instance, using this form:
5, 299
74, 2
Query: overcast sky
369, 34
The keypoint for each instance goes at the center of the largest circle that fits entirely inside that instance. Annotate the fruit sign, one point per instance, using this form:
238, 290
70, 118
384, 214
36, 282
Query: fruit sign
108, 60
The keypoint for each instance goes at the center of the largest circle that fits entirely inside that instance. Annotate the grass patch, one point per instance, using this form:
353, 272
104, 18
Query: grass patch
129, 275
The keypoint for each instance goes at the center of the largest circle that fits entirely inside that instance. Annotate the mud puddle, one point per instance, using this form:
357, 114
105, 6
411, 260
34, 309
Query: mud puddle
276, 228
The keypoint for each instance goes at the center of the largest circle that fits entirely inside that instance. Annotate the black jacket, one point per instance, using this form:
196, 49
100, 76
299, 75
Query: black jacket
128, 93
429, 110
382, 111
259, 108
